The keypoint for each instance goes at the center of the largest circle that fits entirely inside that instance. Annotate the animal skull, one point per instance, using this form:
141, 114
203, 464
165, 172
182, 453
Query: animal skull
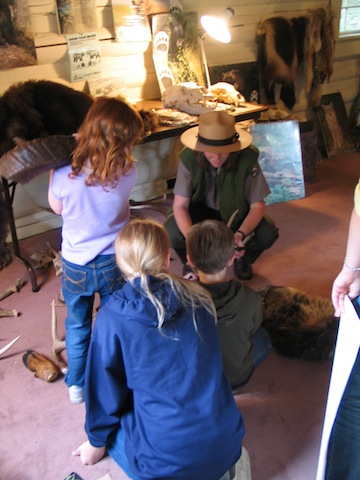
190, 99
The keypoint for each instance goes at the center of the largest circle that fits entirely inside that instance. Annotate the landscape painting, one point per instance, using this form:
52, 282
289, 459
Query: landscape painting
280, 159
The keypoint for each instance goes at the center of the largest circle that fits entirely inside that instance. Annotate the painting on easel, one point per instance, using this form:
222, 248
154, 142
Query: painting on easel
280, 159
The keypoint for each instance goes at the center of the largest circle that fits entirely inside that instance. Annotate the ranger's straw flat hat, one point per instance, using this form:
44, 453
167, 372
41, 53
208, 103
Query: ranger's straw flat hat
217, 132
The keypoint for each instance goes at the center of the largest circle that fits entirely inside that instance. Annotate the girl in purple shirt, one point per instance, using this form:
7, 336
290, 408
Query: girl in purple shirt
92, 196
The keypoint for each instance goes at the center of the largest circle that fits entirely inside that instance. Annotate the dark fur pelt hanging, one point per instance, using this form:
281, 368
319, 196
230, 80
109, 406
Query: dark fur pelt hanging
280, 52
300, 325
31, 110
277, 58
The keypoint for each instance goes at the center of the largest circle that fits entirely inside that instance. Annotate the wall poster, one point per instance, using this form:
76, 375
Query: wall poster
85, 58
176, 49
76, 16
17, 46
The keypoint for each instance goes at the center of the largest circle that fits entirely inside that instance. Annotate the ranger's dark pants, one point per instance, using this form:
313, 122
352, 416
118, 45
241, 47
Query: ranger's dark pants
266, 233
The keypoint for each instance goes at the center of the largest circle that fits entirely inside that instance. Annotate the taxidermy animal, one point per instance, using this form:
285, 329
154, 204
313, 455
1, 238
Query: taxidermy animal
31, 110
35, 109
300, 325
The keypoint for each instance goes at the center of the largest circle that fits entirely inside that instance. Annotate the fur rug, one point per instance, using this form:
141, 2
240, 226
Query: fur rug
300, 325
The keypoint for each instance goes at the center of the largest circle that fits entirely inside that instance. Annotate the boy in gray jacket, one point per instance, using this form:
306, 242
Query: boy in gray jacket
244, 343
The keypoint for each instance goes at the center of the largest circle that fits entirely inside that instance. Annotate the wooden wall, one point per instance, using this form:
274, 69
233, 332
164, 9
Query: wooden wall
133, 63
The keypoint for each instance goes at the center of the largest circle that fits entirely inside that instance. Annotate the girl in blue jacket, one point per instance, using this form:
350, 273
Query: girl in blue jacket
156, 396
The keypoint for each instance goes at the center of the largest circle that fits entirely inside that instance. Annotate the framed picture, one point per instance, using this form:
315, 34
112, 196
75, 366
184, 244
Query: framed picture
280, 159
355, 123
334, 125
17, 44
76, 17
243, 76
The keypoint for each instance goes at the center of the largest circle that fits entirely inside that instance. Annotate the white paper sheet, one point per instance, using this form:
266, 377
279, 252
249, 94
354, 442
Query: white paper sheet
85, 56
347, 346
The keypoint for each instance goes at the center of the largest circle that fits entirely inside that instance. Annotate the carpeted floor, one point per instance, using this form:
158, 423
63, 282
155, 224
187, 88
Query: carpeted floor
283, 404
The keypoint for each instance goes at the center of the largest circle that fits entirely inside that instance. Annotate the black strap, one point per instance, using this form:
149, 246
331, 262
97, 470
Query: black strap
219, 143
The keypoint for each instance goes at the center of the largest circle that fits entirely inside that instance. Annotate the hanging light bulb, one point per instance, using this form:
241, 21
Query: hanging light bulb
216, 26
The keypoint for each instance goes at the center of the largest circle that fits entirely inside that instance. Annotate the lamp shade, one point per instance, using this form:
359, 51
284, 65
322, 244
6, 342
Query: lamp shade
216, 25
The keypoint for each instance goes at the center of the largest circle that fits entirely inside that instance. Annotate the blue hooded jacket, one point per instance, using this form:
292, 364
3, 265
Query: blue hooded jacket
166, 390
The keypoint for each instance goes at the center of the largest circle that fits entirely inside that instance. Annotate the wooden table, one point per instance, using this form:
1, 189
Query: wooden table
245, 111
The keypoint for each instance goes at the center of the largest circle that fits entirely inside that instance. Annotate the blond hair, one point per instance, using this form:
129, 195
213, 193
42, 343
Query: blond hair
142, 249
105, 140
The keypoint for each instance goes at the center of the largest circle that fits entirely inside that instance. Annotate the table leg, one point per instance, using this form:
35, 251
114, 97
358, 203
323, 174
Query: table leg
9, 193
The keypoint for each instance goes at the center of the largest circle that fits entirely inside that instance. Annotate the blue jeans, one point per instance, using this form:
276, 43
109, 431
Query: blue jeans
262, 346
118, 454
343, 456
79, 285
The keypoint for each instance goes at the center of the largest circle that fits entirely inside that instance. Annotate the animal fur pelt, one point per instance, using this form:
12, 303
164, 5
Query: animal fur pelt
320, 50
278, 58
283, 45
30, 110
300, 325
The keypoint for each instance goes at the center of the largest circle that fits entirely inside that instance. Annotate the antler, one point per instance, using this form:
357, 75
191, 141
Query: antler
58, 345
15, 287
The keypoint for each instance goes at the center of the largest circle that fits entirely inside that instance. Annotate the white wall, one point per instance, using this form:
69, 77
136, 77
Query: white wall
133, 62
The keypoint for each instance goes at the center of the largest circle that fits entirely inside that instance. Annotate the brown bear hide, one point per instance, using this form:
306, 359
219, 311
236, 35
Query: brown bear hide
300, 325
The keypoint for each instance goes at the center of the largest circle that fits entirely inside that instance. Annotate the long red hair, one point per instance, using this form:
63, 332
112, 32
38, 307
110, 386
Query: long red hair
105, 141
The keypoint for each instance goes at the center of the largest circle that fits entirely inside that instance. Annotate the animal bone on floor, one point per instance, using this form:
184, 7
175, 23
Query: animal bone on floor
15, 287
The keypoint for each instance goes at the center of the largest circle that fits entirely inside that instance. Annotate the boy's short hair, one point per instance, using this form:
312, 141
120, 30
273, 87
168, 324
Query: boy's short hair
210, 245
